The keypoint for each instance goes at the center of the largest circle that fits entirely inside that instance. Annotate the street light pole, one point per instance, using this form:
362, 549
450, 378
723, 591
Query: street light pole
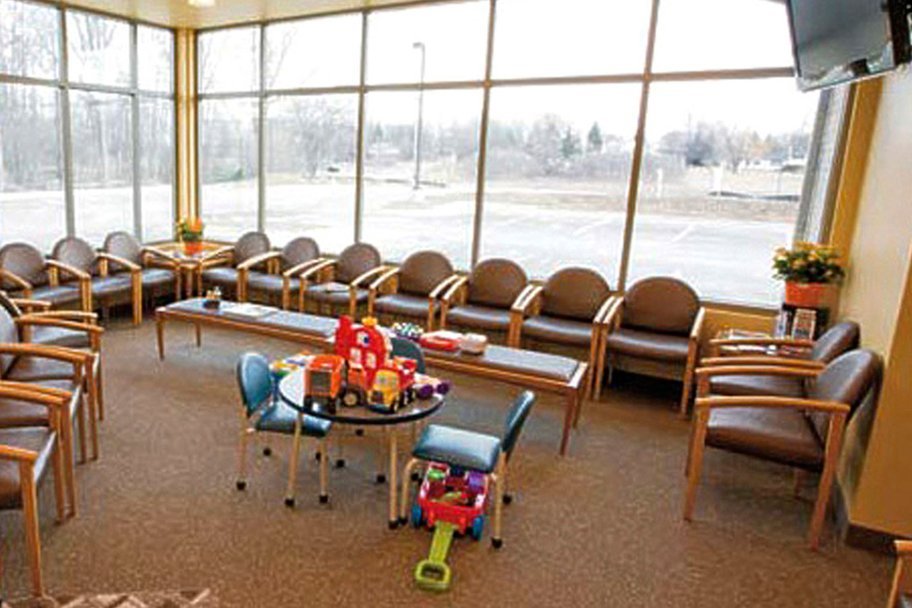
417, 181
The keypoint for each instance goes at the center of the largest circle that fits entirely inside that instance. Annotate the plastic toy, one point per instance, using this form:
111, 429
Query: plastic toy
409, 331
473, 344
324, 375
441, 340
427, 386
375, 377
451, 501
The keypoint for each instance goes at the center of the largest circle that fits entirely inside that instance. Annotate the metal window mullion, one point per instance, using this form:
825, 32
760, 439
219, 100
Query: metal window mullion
480, 171
261, 136
66, 130
633, 186
135, 127
359, 142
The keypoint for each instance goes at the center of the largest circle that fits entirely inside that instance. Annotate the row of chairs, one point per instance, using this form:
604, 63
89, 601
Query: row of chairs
50, 400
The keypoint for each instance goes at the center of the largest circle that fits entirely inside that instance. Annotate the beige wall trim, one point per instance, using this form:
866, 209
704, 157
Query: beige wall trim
186, 122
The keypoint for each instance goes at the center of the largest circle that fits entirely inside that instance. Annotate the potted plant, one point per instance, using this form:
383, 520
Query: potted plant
190, 233
807, 269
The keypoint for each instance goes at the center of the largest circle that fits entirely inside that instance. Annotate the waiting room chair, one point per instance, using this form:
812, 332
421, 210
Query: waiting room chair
838, 339
26, 453
343, 282
567, 311
472, 451
219, 267
272, 273
801, 432
26, 272
482, 300
106, 288
159, 271
263, 412
901, 592
411, 291
658, 323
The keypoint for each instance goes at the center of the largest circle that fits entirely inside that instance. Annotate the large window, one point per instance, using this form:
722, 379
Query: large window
88, 150
389, 151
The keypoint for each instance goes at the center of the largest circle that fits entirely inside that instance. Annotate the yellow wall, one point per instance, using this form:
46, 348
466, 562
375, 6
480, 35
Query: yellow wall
877, 294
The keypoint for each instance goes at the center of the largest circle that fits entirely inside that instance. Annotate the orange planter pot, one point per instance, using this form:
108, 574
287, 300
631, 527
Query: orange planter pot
193, 247
804, 295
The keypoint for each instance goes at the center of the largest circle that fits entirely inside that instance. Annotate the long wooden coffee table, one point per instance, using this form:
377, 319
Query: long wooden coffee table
543, 372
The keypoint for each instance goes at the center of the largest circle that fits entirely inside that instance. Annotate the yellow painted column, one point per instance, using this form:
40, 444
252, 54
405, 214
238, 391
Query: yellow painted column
187, 168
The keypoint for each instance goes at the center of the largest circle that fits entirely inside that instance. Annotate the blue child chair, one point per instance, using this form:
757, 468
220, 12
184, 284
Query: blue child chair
475, 452
263, 412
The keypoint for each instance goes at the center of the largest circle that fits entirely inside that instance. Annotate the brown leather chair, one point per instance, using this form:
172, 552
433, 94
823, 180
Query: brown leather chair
412, 290
26, 453
26, 272
839, 339
568, 310
220, 266
901, 592
341, 282
159, 271
658, 322
107, 288
264, 274
483, 299
800, 432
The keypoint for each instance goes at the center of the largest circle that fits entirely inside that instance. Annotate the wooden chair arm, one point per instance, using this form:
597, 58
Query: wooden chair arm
697, 328
514, 307
613, 314
103, 255
299, 268
315, 269
604, 310
58, 353
438, 289
79, 274
762, 341
756, 370
80, 315
830, 407
367, 275
454, 288
224, 250
258, 259
32, 320
903, 547
383, 278
43, 395
15, 279
161, 254
762, 360
532, 293
31, 305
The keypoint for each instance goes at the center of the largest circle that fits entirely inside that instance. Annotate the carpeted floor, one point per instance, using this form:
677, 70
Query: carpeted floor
601, 527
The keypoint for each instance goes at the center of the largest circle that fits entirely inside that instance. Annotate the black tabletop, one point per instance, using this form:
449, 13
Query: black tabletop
291, 391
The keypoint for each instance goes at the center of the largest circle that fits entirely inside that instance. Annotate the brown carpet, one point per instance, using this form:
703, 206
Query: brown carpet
142, 599
601, 527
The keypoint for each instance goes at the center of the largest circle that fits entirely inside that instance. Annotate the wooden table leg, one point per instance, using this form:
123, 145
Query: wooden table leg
199, 334
569, 411
293, 462
160, 334
393, 478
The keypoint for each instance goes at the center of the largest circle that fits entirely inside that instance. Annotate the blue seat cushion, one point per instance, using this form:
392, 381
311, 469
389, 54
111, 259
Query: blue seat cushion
456, 447
280, 418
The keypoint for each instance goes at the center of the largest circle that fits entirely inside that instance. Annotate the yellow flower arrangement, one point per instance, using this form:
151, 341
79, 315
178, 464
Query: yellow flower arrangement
808, 263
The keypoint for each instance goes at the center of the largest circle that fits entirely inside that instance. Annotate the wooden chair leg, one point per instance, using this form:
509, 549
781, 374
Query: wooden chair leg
99, 388
59, 481
30, 515
324, 471
599, 379
89, 405
688, 382
404, 496
833, 445
496, 536
81, 422
137, 302
696, 463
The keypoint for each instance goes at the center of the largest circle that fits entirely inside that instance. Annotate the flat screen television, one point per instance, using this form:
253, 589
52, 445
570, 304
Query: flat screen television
836, 41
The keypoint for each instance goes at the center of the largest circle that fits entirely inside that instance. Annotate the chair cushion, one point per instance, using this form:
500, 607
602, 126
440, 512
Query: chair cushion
27, 369
336, 296
40, 440
355, 260
483, 317
26, 262
15, 413
496, 283
223, 276
457, 447
558, 330
125, 246
59, 336
574, 293
280, 418
661, 304
114, 285
776, 386
57, 294
271, 283
648, 345
76, 252
422, 271
153, 277
405, 305
781, 435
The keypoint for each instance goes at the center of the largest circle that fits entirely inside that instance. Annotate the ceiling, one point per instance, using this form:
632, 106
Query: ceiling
179, 14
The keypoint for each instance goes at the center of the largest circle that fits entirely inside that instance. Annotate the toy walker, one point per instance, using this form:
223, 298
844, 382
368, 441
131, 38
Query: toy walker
452, 501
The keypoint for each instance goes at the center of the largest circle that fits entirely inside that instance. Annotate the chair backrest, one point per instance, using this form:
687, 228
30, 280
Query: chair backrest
496, 282
25, 261
840, 338
422, 271
355, 260
254, 380
249, 245
409, 350
516, 419
848, 378
299, 250
7, 304
77, 253
124, 245
575, 293
9, 334
661, 304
